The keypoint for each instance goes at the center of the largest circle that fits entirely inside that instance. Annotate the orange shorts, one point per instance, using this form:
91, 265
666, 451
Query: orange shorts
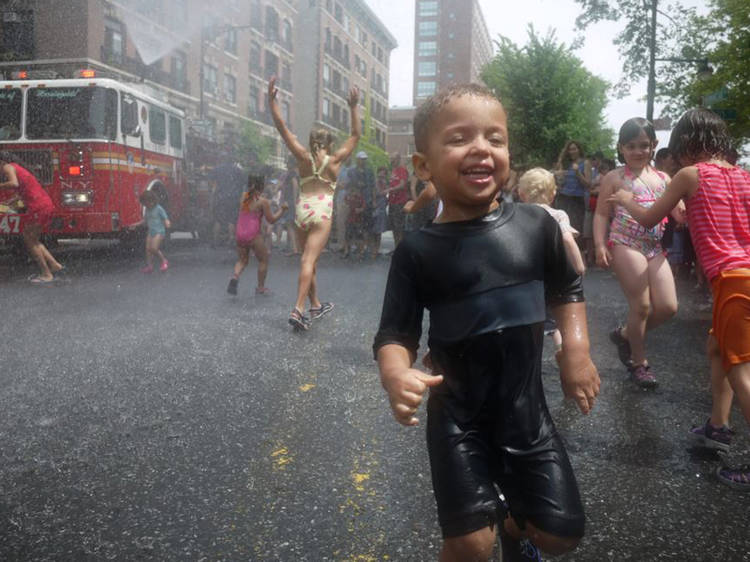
731, 316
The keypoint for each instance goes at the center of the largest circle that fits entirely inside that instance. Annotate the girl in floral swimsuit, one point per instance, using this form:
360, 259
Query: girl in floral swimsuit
635, 252
318, 167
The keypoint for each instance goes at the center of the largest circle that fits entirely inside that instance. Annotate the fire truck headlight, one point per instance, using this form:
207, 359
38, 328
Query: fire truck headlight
77, 198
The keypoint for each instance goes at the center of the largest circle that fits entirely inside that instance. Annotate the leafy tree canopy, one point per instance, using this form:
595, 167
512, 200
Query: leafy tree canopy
549, 97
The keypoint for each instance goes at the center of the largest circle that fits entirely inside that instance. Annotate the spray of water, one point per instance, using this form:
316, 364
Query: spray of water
157, 28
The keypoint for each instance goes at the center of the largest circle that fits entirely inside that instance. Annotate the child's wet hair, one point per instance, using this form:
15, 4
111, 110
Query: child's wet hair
699, 133
631, 129
321, 139
427, 112
148, 197
537, 186
255, 182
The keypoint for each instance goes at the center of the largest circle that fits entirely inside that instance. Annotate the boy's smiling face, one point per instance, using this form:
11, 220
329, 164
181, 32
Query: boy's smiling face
466, 154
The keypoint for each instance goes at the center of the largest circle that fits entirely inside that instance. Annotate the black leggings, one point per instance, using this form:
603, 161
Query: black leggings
488, 424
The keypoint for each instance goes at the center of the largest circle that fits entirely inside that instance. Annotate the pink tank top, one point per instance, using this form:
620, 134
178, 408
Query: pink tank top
32, 194
719, 218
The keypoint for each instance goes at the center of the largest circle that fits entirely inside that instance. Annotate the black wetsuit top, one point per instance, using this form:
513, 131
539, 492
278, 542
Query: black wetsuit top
485, 283
476, 277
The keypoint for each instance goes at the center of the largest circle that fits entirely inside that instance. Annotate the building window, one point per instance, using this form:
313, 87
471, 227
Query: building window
326, 75
230, 88
114, 41
286, 34
256, 14
326, 106
210, 78
254, 105
272, 24
329, 5
255, 63
178, 69
428, 7
271, 65
425, 88
286, 111
230, 41
427, 28
427, 48
338, 13
426, 68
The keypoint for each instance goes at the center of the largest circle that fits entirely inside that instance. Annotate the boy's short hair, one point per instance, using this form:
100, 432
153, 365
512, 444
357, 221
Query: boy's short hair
537, 186
699, 131
148, 197
429, 109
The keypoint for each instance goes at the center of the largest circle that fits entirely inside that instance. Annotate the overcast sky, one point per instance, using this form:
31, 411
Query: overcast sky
511, 19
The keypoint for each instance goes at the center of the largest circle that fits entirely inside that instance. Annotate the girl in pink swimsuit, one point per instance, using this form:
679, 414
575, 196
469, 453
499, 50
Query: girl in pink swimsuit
253, 208
635, 252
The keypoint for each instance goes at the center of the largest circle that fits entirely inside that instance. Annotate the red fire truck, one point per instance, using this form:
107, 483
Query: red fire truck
95, 144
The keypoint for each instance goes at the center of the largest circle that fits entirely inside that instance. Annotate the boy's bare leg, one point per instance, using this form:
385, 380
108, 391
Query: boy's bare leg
473, 547
551, 544
721, 391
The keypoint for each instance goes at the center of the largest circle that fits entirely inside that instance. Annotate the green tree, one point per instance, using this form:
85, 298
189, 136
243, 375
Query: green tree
634, 41
549, 97
254, 148
723, 37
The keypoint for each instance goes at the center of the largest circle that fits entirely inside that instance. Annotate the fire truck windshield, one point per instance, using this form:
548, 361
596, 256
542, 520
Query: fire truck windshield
10, 113
71, 113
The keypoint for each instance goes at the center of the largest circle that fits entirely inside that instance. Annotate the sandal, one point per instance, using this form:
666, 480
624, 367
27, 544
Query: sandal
737, 478
298, 321
623, 346
39, 281
322, 310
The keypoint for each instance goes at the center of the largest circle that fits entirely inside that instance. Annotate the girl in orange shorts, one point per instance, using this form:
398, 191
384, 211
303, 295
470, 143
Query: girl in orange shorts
717, 195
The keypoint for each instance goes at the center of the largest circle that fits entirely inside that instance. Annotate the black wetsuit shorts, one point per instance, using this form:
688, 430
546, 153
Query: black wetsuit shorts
488, 424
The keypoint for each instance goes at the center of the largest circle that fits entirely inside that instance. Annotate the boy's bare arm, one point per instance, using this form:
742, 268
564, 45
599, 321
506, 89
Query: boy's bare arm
579, 377
405, 386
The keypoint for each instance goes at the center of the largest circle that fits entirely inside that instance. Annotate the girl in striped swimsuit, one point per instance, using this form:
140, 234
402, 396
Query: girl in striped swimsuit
635, 252
717, 194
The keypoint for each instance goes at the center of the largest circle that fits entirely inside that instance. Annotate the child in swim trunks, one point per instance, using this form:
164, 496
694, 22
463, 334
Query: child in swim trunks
484, 271
717, 195
318, 168
635, 252
253, 209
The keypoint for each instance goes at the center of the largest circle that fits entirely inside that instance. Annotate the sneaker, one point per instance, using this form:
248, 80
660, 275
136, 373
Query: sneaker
322, 310
164, 266
737, 478
147, 269
643, 377
519, 550
623, 346
265, 291
710, 437
232, 287
299, 321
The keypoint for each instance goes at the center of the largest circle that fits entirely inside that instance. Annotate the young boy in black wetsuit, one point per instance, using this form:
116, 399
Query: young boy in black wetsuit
484, 270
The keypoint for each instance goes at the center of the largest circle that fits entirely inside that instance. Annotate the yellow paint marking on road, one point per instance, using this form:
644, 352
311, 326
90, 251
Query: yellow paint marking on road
307, 387
359, 478
281, 458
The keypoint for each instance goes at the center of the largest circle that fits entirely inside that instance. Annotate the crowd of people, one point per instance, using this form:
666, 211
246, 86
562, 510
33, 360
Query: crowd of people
494, 276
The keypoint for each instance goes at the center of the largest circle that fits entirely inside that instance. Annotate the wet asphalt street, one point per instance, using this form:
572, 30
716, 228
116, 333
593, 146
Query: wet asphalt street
157, 418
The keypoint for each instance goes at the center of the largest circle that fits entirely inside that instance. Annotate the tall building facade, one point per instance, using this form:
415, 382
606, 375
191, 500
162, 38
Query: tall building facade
344, 45
451, 45
213, 61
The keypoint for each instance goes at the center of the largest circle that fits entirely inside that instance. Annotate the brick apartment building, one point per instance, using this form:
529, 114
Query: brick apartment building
451, 45
240, 44
344, 45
